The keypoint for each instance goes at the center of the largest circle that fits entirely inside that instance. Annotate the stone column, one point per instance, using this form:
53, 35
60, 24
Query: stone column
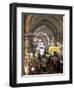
27, 47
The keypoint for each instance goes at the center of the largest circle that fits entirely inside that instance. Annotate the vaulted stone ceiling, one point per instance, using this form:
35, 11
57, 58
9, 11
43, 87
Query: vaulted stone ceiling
53, 22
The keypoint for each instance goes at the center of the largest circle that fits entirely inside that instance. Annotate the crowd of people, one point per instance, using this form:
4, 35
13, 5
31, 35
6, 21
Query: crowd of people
47, 63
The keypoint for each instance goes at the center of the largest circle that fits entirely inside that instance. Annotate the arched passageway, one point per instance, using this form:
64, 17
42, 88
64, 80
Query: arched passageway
40, 32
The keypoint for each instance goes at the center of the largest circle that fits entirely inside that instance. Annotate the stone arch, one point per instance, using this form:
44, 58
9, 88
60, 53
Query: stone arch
54, 24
